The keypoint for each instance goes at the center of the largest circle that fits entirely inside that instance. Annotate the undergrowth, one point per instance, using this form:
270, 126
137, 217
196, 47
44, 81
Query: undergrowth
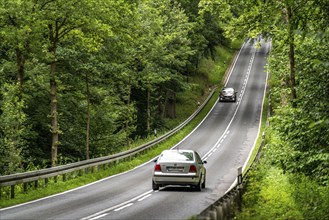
272, 193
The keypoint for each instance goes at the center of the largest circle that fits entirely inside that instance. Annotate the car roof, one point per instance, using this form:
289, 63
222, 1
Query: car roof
228, 89
178, 152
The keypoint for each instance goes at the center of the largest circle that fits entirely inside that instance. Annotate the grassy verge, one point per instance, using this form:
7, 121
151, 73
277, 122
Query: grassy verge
271, 198
272, 193
216, 70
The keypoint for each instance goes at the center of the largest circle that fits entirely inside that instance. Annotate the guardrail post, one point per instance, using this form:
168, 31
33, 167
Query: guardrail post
229, 208
225, 211
240, 186
24, 187
220, 214
239, 198
64, 177
239, 175
12, 191
36, 184
212, 214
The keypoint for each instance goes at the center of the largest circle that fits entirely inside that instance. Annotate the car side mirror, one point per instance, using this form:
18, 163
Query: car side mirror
155, 160
204, 162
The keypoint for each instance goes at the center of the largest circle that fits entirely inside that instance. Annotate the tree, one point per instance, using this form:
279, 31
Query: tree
281, 21
163, 32
297, 63
14, 129
16, 34
61, 21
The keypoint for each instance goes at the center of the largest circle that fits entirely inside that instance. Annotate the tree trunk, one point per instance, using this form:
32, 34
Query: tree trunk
128, 113
88, 116
53, 38
53, 114
170, 104
148, 110
20, 60
291, 52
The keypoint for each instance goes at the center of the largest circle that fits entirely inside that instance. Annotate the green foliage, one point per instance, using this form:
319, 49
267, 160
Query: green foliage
14, 127
275, 199
303, 129
310, 197
274, 194
97, 60
295, 172
77, 179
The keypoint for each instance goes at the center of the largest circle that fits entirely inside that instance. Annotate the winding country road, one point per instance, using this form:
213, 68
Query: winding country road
225, 139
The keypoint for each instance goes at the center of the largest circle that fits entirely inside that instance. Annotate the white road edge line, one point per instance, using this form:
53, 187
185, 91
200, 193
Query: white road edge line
260, 124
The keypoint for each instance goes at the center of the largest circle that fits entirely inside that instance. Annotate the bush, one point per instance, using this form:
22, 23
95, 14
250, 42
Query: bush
269, 196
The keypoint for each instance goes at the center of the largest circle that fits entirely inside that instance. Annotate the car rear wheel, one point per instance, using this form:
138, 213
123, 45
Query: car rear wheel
204, 183
155, 186
199, 186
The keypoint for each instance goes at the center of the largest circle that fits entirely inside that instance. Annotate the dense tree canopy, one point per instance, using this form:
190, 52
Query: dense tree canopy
81, 79
299, 78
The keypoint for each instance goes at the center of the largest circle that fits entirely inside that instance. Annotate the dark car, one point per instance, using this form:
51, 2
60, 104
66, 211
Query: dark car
227, 94
179, 167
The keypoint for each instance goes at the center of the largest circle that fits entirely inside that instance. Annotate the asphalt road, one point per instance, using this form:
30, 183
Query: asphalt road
225, 139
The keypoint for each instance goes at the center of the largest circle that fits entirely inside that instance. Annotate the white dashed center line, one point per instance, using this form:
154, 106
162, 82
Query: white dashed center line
123, 207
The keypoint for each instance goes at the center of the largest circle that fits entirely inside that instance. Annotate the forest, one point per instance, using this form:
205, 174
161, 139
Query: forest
82, 79
298, 65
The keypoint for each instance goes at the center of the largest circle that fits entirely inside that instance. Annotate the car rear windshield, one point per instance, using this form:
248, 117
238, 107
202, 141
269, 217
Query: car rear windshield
228, 91
177, 156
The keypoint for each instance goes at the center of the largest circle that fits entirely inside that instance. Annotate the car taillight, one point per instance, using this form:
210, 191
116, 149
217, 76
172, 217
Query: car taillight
157, 167
192, 169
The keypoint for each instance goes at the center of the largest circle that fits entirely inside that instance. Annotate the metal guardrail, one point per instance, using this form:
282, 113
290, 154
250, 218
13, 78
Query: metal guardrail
26, 177
226, 206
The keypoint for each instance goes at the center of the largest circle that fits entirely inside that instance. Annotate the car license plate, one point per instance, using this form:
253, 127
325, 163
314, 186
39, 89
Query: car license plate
175, 169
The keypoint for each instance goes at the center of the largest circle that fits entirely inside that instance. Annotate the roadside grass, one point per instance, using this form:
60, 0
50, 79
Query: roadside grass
272, 193
271, 198
212, 71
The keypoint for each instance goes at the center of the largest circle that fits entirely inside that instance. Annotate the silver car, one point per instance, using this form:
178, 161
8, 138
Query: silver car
179, 167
